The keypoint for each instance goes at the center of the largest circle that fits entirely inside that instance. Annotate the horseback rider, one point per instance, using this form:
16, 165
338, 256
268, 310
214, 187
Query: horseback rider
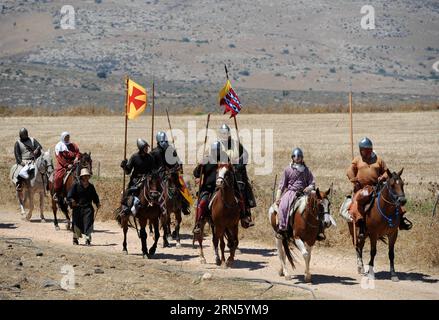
165, 156
365, 172
208, 167
26, 150
67, 155
139, 164
297, 180
239, 157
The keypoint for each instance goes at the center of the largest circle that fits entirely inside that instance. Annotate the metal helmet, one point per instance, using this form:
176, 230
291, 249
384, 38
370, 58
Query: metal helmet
297, 152
365, 143
23, 134
141, 144
162, 139
224, 132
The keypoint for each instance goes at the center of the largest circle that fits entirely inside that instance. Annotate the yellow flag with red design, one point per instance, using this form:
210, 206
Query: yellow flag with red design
185, 191
136, 99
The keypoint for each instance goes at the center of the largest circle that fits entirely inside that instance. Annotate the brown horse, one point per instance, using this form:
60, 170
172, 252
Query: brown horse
149, 211
84, 162
382, 220
225, 210
174, 201
303, 227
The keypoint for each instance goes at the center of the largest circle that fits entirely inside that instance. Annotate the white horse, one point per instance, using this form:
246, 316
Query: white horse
37, 184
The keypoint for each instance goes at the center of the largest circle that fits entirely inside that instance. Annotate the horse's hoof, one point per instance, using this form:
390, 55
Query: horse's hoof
394, 278
308, 278
218, 261
68, 226
360, 270
237, 251
152, 251
57, 228
178, 245
125, 252
165, 245
43, 220
145, 256
280, 273
288, 277
202, 260
229, 263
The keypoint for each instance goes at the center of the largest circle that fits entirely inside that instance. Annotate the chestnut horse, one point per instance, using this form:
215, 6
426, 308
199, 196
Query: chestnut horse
84, 162
303, 227
225, 210
382, 220
149, 211
174, 201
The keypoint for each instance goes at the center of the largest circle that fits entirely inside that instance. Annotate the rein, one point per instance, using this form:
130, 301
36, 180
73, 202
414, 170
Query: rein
228, 206
389, 220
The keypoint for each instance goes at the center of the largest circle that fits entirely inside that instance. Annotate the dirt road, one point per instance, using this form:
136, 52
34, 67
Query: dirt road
33, 253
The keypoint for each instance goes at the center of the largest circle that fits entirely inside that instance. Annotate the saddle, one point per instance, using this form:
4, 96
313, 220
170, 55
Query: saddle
298, 205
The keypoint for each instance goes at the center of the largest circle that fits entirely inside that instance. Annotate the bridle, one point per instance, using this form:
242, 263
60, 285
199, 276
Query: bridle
394, 202
227, 184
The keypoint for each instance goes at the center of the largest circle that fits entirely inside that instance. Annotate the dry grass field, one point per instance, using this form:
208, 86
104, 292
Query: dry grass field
409, 140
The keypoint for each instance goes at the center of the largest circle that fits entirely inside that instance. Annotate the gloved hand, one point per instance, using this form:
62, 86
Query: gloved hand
308, 189
22, 163
123, 164
70, 166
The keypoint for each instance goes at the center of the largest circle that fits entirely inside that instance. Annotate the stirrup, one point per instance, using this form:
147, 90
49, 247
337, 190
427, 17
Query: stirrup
321, 236
197, 230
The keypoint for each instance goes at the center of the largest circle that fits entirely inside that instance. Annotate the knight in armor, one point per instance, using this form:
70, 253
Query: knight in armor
207, 169
297, 179
67, 155
140, 164
365, 172
26, 150
166, 158
239, 157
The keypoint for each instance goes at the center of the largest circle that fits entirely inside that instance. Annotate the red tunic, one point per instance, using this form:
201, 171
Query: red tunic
64, 159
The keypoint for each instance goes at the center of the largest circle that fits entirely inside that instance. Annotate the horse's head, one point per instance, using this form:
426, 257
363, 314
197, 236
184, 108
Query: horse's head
44, 163
152, 187
85, 161
225, 175
395, 186
325, 207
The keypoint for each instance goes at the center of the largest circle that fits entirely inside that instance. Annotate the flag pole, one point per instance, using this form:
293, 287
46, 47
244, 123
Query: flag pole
126, 129
234, 117
204, 150
354, 228
152, 124
170, 128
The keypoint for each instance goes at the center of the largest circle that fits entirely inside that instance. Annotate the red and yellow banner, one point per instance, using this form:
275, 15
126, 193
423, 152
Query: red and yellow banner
137, 99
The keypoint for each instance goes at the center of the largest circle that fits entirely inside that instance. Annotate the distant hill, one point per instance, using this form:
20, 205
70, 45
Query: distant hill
278, 52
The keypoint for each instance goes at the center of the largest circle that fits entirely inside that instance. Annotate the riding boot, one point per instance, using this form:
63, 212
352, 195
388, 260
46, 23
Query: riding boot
200, 214
19, 185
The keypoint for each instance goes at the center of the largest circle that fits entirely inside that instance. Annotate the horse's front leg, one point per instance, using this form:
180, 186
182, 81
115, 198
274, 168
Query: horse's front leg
20, 197
42, 207
307, 261
177, 229
164, 219
283, 271
215, 241
359, 251
124, 223
373, 252
30, 196
392, 240
55, 219
199, 237
143, 241
156, 237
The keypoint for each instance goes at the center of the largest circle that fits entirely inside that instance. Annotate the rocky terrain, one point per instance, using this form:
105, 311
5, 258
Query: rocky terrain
278, 52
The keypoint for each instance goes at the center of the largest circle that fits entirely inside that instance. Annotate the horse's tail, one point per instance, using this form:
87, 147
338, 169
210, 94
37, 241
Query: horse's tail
383, 240
287, 250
